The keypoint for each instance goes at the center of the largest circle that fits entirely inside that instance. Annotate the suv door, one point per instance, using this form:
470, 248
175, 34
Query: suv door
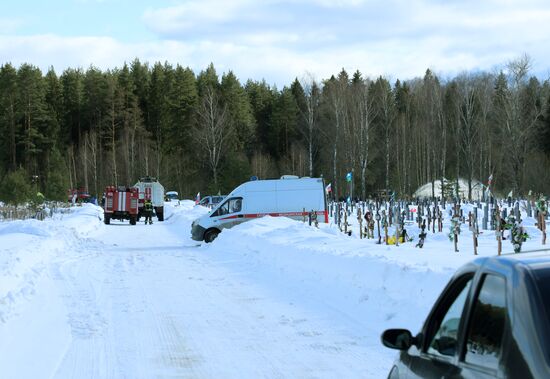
486, 329
438, 355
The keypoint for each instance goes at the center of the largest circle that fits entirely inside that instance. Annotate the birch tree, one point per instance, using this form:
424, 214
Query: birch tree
518, 110
385, 115
334, 96
213, 129
469, 126
310, 113
363, 113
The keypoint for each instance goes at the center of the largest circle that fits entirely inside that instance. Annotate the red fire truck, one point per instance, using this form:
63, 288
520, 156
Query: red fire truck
79, 195
121, 203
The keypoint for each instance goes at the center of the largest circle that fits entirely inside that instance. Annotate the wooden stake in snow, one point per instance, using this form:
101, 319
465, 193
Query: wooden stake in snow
385, 225
346, 222
422, 235
378, 223
543, 227
542, 212
472, 220
455, 224
434, 217
360, 220
499, 231
439, 220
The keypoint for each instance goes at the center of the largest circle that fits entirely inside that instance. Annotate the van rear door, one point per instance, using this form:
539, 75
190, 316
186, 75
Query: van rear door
297, 197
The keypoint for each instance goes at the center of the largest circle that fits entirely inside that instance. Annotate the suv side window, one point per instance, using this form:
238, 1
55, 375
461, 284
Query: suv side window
445, 340
487, 323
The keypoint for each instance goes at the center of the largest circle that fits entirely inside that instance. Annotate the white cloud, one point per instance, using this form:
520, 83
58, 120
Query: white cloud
272, 40
182, 17
338, 3
8, 25
103, 52
393, 58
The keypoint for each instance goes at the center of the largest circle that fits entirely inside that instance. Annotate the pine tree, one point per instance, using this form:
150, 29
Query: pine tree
31, 114
283, 124
239, 110
181, 105
8, 120
51, 132
16, 187
261, 98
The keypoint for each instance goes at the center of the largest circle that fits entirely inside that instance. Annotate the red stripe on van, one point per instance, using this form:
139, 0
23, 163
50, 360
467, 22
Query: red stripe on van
257, 215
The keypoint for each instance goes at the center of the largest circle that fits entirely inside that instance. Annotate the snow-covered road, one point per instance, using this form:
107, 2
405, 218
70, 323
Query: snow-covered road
272, 298
140, 306
143, 302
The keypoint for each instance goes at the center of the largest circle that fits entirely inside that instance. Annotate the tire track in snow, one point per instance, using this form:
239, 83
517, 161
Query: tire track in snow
171, 311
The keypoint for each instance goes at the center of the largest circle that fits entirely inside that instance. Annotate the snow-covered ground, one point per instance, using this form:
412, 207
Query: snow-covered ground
271, 298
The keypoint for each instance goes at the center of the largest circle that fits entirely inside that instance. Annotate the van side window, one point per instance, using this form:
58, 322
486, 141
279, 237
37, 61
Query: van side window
232, 205
487, 323
235, 205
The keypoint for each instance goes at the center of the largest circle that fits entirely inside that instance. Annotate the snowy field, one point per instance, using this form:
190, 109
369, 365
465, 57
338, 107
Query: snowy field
271, 298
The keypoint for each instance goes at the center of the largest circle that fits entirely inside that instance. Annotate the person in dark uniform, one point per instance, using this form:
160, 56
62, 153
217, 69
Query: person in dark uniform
148, 208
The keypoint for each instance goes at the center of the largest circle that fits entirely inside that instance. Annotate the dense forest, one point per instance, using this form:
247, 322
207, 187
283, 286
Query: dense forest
199, 132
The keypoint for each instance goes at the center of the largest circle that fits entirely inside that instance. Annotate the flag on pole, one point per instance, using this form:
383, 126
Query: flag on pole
328, 188
198, 198
490, 180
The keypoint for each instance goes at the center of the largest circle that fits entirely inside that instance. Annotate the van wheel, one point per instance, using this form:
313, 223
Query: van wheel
211, 235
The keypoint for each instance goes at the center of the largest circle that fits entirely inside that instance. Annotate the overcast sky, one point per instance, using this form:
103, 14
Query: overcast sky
279, 40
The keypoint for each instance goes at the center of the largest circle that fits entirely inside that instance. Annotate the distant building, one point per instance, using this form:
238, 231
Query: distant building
450, 190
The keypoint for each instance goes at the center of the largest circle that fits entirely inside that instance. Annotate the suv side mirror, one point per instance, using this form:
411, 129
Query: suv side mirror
400, 339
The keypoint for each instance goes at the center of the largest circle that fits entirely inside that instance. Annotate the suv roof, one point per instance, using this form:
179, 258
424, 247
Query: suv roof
539, 259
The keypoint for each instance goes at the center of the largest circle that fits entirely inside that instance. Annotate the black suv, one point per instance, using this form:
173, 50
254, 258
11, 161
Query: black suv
491, 321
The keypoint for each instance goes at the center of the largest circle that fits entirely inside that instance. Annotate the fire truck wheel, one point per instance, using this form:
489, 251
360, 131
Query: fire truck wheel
107, 219
210, 235
133, 220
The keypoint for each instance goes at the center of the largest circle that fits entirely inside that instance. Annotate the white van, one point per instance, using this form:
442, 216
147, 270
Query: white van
288, 197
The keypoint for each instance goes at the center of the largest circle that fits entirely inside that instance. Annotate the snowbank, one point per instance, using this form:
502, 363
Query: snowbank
356, 286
